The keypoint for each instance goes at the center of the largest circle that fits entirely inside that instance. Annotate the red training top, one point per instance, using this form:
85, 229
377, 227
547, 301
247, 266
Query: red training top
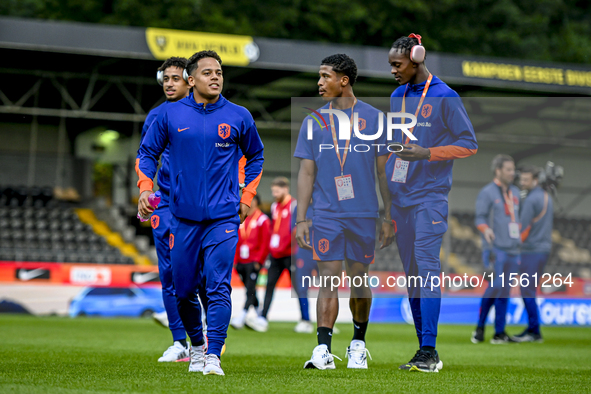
253, 239
280, 243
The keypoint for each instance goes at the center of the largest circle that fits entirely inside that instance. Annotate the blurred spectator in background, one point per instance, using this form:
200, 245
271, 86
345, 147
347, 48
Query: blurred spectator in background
497, 218
279, 245
252, 250
536, 216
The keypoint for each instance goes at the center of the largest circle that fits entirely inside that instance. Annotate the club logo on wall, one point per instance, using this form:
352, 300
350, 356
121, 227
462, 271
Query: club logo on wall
26, 275
161, 42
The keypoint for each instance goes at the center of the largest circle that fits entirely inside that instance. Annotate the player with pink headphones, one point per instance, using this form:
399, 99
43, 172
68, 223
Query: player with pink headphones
419, 179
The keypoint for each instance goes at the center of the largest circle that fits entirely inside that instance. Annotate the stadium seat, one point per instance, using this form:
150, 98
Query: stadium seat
49, 234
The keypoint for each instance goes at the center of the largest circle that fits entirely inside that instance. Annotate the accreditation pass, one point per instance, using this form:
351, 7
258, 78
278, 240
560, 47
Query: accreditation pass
400, 171
344, 187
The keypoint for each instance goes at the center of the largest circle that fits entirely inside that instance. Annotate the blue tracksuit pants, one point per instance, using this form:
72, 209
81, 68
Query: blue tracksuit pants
202, 255
419, 233
160, 221
531, 264
499, 290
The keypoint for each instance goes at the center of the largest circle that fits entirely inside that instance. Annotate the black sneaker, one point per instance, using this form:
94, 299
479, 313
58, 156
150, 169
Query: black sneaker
426, 362
478, 335
528, 336
408, 365
501, 338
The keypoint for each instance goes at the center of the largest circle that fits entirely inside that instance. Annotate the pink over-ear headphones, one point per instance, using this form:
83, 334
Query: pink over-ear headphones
417, 52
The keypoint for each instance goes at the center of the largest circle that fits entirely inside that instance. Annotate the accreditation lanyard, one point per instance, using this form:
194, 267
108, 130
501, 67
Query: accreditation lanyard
508, 197
246, 230
279, 215
544, 210
336, 141
425, 90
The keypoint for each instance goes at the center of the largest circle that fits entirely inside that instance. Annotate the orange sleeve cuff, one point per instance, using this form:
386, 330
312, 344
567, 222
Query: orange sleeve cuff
250, 190
241, 171
450, 152
247, 196
482, 227
144, 183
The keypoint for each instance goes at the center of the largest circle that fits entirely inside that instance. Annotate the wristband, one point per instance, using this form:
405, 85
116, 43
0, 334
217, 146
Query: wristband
301, 221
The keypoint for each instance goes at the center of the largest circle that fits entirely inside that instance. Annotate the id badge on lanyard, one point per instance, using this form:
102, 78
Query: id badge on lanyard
514, 230
344, 187
400, 170
344, 183
275, 240
278, 216
401, 166
244, 252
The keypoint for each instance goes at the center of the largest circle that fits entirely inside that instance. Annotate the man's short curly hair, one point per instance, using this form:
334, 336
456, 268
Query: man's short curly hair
192, 63
179, 62
343, 64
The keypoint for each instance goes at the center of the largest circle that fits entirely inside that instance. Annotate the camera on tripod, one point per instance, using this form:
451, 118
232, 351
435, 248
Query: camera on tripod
550, 177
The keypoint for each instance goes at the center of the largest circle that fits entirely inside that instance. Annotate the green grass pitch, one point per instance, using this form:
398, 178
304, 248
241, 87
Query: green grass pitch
62, 355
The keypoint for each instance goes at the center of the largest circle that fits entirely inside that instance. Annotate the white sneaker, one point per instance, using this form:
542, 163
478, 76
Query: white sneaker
212, 365
357, 355
161, 318
304, 327
237, 322
197, 358
321, 359
259, 323
174, 353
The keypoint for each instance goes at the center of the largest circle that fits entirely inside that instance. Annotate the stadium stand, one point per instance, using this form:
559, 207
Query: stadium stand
571, 241
35, 227
571, 251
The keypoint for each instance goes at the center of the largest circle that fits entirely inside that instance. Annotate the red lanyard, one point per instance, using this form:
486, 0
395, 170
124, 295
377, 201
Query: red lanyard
336, 141
246, 229
508, 197
420, 102
279, 215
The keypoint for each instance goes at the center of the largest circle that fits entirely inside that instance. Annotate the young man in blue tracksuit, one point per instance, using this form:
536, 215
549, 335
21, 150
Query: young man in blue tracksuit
419, 179
536, 213
207, 135
497, 218
170, 76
